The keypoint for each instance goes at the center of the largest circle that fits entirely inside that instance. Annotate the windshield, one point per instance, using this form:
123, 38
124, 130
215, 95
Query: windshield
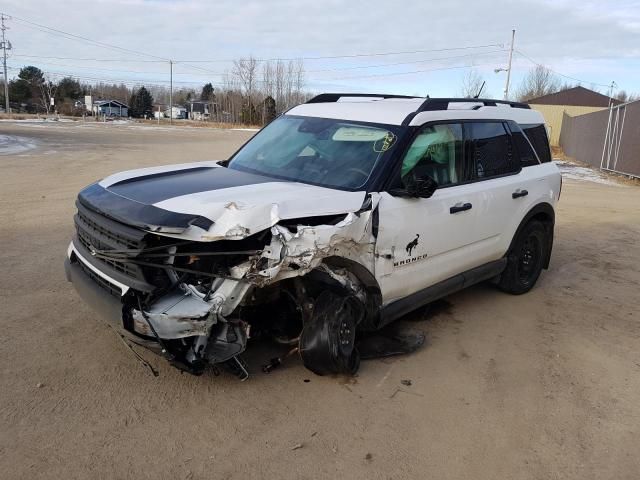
326, 152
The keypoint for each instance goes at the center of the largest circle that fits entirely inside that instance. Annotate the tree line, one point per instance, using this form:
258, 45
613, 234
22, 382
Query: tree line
539, 81
251, 92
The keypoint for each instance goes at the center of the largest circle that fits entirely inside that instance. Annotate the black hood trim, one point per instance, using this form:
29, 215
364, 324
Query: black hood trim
157, 187
131, 212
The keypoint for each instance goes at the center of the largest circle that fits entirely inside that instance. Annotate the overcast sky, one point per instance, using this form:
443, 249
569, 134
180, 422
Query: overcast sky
594, 41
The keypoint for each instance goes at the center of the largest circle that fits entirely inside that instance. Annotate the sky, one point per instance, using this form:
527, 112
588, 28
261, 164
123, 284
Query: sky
588, 42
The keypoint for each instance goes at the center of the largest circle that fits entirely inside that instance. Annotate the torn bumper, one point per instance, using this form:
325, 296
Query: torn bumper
103, 295
179, 314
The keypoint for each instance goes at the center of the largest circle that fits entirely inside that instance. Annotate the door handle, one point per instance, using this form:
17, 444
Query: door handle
460, 207
519, 193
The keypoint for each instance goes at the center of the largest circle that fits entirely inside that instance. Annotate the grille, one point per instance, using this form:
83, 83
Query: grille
106, 285
100, 233
88, 242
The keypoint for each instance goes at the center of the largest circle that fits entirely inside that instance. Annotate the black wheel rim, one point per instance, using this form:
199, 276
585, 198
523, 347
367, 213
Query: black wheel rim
346, 331
529, 260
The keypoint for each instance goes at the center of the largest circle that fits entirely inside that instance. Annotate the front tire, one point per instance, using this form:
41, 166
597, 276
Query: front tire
327, 342
525, 259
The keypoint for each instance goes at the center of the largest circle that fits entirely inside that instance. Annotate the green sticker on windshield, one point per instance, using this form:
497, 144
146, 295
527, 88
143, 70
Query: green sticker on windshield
384, 143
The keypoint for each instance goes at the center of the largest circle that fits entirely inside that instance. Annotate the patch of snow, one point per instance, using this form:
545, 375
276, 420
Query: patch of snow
39, 120
12, 145
245, 129
572, 171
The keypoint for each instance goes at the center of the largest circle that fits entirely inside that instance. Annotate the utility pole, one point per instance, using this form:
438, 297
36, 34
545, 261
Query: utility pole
5, 45
506, 86
613, 85
170, 92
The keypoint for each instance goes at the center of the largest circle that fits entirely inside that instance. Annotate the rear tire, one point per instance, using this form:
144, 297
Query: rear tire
525, 259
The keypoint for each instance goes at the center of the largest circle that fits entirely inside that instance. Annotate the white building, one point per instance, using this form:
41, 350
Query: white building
176, 112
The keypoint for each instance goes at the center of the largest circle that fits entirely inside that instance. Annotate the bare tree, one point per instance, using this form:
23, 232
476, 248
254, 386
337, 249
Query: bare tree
538, 82
47, 92
298, 81
472, 82
241, 98
246, 70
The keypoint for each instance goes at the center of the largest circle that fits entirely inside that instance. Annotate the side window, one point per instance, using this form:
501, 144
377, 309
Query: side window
537, 135
523, 147
437, 152
491, 149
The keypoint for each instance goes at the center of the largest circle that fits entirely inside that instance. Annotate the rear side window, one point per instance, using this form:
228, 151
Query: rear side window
523, 147
537, 135
491, 149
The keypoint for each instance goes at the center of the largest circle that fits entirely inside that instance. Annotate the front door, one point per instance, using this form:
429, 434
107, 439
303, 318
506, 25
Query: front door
422, 241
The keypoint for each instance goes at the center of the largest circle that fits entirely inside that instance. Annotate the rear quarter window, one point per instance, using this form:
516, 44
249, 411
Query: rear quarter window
537, 135
523, 147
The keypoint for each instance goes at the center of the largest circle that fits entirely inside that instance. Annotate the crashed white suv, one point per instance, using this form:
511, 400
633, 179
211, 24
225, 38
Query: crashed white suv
337, 218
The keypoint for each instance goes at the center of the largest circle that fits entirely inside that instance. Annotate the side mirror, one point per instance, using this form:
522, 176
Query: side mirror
423, 187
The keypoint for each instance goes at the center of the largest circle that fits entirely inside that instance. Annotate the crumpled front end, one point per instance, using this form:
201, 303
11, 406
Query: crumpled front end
199, 302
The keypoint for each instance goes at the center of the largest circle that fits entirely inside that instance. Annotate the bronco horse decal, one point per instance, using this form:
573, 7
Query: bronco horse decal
412, 244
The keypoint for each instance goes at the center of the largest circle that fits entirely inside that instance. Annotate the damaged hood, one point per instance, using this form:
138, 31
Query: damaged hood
206, 202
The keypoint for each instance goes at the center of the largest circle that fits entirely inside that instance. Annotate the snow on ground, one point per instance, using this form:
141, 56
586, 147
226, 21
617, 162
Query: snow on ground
38, 120
572, 171
245, 129
12, 145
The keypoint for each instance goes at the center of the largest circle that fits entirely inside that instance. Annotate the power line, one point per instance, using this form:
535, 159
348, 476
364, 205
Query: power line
84, 67
73, 36
339, 69
558, 73
410, 73
357, 55
135, 82
137, 60
187, 63
404, 63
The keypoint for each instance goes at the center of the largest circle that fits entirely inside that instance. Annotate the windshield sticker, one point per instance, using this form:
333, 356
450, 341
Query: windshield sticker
358, 134
385, 143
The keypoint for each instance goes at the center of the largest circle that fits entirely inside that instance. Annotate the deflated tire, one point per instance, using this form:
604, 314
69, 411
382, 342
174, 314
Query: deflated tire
327, 341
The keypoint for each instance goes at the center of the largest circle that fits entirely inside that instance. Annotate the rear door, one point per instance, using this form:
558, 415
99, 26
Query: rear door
505, 167
497, 176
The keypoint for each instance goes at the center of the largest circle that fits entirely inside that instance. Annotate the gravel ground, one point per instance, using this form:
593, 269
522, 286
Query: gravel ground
544, 385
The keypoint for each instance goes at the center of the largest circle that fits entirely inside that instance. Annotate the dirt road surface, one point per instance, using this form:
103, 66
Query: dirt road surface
540, 386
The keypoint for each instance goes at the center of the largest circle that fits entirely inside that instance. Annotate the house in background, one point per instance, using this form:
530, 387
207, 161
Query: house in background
159, 110
176, 111
110, 108
572, 101
201, 109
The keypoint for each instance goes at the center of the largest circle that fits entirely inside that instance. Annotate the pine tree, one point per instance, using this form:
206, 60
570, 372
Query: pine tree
269, 109
141, 103
207, 92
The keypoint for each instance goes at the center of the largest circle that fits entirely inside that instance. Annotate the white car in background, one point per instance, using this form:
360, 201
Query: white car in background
337, 218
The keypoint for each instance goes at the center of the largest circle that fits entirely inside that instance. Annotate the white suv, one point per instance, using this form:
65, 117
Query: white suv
337, 218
